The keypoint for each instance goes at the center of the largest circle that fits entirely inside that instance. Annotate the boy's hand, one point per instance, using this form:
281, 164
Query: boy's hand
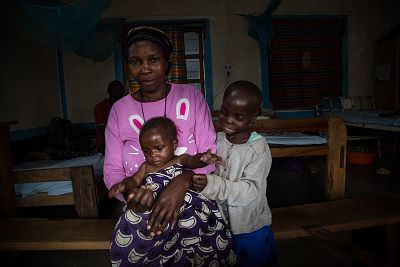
199, 182
140, 199
211, 158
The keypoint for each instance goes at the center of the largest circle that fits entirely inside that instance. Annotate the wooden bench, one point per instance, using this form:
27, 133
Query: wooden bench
322, 220
55, 234
316, 219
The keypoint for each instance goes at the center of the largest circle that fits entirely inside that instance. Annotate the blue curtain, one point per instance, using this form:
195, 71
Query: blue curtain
73, 27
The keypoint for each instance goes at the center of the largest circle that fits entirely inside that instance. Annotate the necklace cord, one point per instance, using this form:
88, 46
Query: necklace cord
165, 103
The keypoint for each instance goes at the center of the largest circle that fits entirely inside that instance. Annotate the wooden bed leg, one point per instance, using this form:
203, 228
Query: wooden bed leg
85, 194
6, 178
336, 160
393, 245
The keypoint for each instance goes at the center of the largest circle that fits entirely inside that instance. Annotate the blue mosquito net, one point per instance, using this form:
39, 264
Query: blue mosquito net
68, 25
260, 26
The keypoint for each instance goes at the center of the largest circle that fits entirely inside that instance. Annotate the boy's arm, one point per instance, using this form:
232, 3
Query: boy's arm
244, 190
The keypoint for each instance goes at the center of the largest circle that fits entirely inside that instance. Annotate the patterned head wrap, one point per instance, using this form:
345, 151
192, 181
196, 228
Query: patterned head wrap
154, 35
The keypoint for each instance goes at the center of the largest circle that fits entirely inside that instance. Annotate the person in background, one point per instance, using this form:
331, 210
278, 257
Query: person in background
200, 224
147, 51
239, 186
115, 91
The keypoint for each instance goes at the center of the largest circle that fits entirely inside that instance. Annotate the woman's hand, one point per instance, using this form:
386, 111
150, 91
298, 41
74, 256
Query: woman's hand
168, 203
140, 199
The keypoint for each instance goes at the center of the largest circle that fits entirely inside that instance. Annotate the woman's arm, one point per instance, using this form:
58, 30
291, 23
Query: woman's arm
113, 168
169, 202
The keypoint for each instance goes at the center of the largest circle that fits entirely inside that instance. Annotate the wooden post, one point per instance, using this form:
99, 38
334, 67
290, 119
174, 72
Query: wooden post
85, 194
6, 180
336, 160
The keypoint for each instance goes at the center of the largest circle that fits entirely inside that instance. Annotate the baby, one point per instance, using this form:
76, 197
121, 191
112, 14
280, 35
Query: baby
200, 236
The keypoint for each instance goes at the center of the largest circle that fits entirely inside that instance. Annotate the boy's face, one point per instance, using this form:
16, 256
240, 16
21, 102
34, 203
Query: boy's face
235, 117
157, 147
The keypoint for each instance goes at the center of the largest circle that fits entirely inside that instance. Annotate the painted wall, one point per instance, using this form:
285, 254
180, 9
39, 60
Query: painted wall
28, 80
34, 99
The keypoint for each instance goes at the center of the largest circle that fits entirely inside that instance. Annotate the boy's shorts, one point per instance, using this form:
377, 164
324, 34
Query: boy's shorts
256, 248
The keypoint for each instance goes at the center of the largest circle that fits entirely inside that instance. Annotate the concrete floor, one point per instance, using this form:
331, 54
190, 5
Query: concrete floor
286, 187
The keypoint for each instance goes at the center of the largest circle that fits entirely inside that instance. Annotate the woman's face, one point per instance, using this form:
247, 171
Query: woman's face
147, 65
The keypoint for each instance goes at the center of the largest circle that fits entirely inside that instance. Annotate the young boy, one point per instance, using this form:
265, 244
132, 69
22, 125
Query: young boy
201, 236
239, 187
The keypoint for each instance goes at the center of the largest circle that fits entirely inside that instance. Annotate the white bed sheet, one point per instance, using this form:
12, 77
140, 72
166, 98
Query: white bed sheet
56, 187
294, 139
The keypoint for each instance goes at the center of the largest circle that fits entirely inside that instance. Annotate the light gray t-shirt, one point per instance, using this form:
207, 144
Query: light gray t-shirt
240, 186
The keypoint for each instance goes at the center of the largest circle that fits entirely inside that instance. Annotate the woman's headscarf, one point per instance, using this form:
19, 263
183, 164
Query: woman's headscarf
154, 35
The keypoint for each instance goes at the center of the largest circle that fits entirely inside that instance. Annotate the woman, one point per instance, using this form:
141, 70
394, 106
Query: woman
148, 52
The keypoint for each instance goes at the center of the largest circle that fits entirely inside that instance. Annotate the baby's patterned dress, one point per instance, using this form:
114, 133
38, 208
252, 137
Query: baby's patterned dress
200, 237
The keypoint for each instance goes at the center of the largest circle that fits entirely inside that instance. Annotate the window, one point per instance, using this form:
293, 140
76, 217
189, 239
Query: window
306, 61
193, 37
187, 55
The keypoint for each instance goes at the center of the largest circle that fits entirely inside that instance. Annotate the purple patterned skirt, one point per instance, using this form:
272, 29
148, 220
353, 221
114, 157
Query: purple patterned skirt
200, 238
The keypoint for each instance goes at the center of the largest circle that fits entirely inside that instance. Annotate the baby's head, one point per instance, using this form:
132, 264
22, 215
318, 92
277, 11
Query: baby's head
240, 107
158, 140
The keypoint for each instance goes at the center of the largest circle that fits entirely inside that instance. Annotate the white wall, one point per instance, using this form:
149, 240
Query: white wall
86, 80
86, 84
28, 80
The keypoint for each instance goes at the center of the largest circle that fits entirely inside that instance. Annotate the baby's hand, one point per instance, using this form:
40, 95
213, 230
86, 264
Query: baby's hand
211, 158
116, 189
140, 199
199, 182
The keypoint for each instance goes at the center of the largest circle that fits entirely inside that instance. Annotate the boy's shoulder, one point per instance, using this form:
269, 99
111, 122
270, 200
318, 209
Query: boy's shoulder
256, 142
221, 136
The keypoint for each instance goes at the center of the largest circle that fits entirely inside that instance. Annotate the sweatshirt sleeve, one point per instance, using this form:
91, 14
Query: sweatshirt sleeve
113, 167
241, 191
204, 130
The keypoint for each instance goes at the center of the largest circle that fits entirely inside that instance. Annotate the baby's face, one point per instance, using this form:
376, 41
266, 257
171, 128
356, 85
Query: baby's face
157, 147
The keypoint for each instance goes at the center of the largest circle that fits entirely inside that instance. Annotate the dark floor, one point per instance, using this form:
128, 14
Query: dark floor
287, 186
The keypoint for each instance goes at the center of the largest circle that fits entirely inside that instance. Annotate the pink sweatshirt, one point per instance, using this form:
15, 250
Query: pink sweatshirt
185, 105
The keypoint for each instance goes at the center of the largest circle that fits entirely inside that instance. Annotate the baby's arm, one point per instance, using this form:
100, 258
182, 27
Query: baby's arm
128, 183
200, 160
